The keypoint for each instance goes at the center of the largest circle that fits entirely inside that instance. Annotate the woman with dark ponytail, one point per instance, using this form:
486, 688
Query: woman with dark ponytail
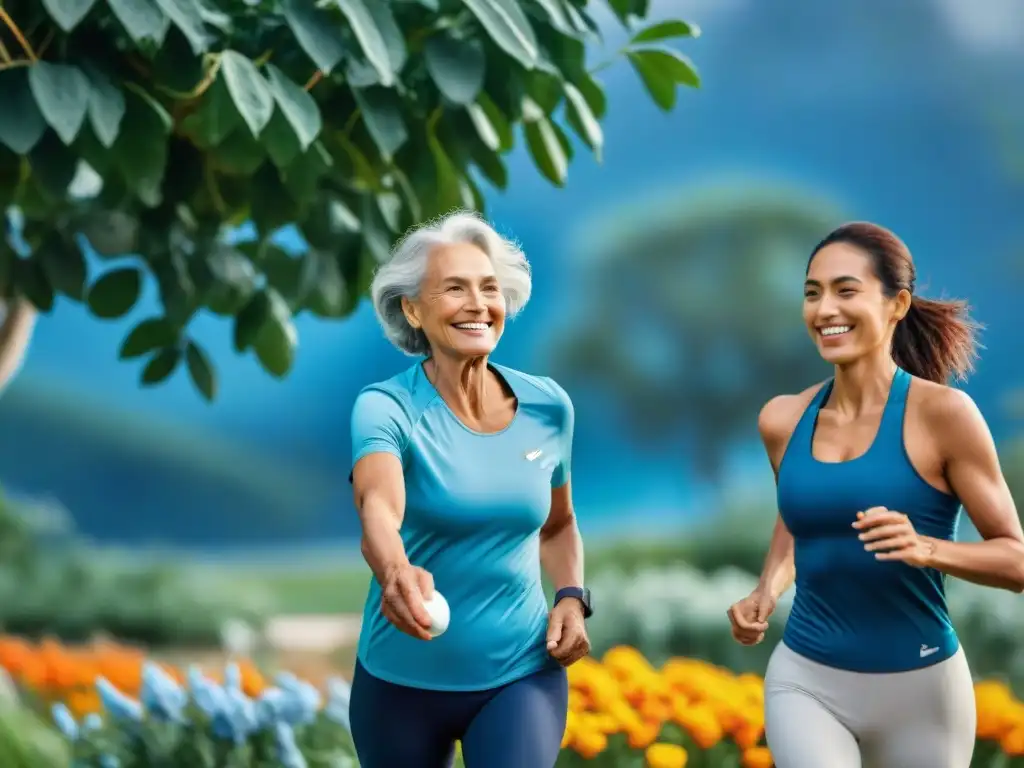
872, 467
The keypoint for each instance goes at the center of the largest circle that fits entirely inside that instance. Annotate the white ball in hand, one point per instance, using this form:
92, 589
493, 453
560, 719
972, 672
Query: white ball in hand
439, 612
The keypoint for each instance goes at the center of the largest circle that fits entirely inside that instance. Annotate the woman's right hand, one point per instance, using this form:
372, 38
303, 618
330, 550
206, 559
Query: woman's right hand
404, 590
749, 617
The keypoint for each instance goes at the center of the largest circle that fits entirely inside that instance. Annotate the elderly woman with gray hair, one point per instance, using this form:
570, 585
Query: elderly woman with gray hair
461, 479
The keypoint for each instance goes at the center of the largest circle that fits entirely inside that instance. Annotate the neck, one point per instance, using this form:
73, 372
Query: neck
864, 384
462, 382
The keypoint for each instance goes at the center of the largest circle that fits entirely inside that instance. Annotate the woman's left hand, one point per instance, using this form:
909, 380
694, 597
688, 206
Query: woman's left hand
567, 632
891, 536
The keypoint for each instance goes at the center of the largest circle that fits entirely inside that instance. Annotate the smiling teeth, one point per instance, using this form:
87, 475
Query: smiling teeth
835, 330
472, 326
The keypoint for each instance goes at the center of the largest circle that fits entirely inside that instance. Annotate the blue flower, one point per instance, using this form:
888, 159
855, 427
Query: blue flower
92, 722
303, 700
161, 695
339, 693
232, 714
117, 705
288, 751
65, 721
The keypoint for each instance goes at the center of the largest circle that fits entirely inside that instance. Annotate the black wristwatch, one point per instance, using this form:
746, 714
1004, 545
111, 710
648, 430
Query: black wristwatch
580, 593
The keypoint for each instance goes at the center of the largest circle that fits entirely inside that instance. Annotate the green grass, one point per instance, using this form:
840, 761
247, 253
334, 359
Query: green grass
321, 591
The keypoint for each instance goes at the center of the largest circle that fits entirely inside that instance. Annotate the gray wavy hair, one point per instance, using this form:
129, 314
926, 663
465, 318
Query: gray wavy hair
402, 274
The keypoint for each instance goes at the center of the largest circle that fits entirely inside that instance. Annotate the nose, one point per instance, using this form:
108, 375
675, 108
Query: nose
827, 307
475, 300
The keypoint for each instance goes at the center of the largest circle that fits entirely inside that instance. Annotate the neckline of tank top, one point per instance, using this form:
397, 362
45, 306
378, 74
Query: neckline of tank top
422, 371
898, 388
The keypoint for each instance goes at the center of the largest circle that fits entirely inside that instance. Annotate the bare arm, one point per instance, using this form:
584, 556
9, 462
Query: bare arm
776, 424
561, 547
974, 474
15, 332
379, 491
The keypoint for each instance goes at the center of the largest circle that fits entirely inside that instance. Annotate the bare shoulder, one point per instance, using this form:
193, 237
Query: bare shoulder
949, 414
780, 415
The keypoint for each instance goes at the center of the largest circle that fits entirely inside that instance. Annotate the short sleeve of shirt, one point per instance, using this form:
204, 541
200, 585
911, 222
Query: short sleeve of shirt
561, 474
380, 424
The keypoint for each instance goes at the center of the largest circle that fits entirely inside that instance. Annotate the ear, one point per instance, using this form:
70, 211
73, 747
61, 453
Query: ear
411, 313
903, 301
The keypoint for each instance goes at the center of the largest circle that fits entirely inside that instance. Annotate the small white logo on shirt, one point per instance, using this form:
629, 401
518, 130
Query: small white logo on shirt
926, 651
533, 455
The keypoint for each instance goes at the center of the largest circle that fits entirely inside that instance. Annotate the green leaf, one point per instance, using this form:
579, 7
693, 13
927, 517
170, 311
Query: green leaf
187, 15
160, 366
248, 90
141, 19
449, 191
369, 36
558, 14
53, 166
141, 148
233, 280
545, 147
328, 296
280, 140
106, 106
661, 69
21, 123
390, 32
297, 106
456, 66
65, 267
658, 83
240, 155
250, 320
508, 26
215, 119
582, 120
316, 33
276, 340
152, 333
594, 93
201, 371
110, 233
30, 281
68, 13
382, 112
497, 120
115, 293
62, 93
665, 30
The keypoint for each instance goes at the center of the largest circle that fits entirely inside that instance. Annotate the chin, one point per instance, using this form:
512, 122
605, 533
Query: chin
840, 356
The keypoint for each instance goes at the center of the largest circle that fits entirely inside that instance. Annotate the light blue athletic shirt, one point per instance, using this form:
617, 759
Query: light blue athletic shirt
474, 507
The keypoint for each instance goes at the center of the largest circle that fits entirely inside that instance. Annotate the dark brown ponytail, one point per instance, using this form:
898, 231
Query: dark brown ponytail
937, 340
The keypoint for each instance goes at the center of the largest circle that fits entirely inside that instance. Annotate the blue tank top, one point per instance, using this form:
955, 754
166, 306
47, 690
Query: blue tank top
474, 507
850, 610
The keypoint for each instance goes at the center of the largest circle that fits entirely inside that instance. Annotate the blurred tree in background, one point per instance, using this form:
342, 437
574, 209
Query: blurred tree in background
693, 315
154, 127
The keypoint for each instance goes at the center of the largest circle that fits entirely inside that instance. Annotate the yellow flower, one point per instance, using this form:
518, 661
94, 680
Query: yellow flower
1013, 742
757, 757
665, 756
702, 725
589, 744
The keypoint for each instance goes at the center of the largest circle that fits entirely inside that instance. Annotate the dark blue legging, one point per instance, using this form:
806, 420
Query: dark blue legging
518, 725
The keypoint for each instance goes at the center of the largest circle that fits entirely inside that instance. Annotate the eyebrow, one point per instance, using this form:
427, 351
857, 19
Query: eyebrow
465, 280
834, 281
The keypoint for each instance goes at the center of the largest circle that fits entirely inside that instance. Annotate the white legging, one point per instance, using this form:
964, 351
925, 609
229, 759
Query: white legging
821, 717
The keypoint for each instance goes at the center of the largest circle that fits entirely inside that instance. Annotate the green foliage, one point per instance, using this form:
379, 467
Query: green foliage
53, 587
692, 316
149, 129
26, 741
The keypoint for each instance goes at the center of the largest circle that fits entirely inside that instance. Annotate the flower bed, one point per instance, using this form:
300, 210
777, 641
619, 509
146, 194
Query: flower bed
623, 712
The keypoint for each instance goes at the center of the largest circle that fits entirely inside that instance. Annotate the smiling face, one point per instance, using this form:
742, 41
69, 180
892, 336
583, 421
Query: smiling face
845, 307
461, 308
